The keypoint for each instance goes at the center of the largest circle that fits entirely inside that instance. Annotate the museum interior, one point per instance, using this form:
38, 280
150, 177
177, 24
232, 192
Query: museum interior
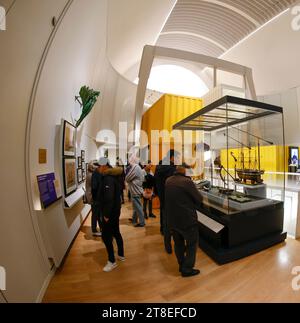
82, 80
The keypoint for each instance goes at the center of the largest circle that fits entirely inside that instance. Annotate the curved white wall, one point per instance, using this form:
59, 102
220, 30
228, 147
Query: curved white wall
21, 50
70, 64
132, 24
273, 54
77, 56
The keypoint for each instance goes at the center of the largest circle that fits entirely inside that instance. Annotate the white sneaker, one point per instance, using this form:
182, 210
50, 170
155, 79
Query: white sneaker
97, 234
110, 266
121, 258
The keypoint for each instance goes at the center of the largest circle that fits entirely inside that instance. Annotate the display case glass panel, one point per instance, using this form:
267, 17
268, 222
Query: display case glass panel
246, 164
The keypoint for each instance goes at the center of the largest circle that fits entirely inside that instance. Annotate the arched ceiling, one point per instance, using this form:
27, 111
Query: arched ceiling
212, 27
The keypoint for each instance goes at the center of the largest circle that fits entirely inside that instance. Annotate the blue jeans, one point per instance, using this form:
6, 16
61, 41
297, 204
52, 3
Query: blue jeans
138, 210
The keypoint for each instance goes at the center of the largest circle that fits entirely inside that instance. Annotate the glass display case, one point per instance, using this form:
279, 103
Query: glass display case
243, 177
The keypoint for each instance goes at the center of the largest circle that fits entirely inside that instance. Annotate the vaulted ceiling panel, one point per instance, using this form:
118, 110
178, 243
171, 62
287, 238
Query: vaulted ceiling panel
212, 27
190, 43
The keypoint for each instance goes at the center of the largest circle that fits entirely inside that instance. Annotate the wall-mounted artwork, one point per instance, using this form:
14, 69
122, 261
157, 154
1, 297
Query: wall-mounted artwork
79, 176
83, 175
79, 162
69, 139
69, 168
83, 166
83, 157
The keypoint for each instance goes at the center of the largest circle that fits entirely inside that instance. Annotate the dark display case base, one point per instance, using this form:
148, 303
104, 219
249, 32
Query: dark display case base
223, 256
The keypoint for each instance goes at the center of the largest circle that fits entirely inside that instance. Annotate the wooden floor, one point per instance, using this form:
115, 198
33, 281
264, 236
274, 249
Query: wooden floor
151, 275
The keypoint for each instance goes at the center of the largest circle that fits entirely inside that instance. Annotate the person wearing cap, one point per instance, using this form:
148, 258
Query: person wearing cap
109, 197
182, 199
164, 170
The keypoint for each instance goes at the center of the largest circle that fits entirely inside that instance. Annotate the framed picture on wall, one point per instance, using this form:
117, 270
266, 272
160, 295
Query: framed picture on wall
83, 175
294, 156
79, 176
79, 162
69, 175
69, 139
83, 156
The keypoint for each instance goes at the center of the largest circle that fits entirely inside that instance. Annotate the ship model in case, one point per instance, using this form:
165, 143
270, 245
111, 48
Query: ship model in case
248, 170
239, 216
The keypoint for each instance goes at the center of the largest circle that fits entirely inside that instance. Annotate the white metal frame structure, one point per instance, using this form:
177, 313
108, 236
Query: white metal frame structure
150, 52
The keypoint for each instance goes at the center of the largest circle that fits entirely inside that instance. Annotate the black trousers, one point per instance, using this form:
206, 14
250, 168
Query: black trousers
122, 196
147, 202
164, 229
96, 220
111, 230
186, 246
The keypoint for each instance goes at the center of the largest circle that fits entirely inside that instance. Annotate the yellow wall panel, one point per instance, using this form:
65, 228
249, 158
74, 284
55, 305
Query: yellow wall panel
167, 111
178, 108
271, 160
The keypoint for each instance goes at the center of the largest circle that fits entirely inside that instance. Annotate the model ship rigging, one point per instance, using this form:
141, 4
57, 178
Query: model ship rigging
247, 170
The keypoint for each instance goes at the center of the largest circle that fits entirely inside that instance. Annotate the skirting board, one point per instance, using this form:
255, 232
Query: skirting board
45, 285
54, 268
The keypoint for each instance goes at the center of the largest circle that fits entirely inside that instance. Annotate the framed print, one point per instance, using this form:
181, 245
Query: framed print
69, 168
294, 156
83, 156
79, 162
83, 175
69, 139
79, 176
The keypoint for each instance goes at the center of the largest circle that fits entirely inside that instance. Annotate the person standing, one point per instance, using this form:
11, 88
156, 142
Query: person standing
148, 186
164, 170
96, 184
110, 210
135, 178
121, 179
182, 199
93, 183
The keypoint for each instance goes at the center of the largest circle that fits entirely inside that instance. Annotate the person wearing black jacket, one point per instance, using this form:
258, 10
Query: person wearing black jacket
164, 170
96, 183
110, 209
182, 199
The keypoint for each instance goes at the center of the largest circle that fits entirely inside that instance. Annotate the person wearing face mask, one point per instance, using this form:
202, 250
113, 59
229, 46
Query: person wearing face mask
182, 199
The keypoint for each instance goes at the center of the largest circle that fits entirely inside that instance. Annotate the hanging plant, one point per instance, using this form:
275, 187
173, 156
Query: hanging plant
88, 99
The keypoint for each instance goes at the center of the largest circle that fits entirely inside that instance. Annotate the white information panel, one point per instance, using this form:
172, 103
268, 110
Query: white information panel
74, 198
210, 223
